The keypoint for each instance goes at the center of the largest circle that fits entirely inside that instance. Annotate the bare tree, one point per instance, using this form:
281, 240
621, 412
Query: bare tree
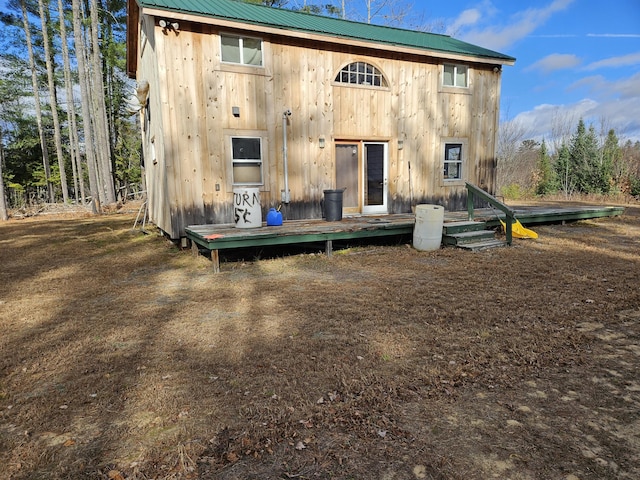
392, 11
561, 130
36, 99
53, 102
511, 134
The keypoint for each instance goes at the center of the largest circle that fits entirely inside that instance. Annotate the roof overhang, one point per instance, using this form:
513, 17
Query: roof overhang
135, 12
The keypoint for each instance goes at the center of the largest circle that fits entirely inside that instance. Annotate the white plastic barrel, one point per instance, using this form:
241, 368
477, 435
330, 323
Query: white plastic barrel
247, 211
427, 233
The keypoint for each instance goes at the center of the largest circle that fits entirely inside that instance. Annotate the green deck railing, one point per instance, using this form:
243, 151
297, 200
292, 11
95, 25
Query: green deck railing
474, 191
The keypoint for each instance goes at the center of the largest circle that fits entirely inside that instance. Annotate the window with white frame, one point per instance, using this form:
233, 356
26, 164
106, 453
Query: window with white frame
453, 161
455, 75
246, 160
241, 50
361, 73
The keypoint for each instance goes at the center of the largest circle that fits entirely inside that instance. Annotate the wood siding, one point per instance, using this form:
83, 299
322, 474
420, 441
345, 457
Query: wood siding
192, 95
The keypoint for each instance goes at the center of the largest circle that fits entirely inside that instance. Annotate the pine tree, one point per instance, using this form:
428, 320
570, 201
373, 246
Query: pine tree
53, 97
4, 214
564, 171
584, 167
547, 181
612, 167
36, 98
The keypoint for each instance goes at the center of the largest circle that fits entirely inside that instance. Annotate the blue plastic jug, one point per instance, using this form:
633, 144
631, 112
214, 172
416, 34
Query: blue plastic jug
274, 218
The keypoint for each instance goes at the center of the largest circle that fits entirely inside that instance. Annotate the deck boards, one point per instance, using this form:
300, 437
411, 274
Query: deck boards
227, 236
300, 231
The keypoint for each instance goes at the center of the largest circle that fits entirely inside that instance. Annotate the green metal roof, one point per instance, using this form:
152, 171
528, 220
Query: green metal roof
304, 22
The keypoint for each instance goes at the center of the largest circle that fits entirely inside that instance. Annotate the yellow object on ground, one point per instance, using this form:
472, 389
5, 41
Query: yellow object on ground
519, 231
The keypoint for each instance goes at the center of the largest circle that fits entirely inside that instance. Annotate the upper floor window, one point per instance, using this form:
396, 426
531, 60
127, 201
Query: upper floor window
361, 73
455, 76
241, 50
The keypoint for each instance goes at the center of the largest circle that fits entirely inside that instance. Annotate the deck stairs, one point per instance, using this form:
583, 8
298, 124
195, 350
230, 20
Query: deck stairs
470, 235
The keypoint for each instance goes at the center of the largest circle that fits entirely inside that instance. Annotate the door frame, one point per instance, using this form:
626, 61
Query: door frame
362, 207
383, 207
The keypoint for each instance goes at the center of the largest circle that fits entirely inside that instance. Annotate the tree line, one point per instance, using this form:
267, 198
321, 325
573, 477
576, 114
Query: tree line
587, 160
65, 134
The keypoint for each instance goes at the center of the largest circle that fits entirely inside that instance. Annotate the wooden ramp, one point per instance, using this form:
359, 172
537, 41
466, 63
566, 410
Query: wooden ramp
227, 236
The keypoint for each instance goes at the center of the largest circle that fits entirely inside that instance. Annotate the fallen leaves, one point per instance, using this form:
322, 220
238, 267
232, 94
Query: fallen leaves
115, 475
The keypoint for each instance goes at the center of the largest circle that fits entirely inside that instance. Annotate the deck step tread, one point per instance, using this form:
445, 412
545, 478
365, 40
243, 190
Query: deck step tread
486, 244
474, 233
462, 223
462, 238
452, 228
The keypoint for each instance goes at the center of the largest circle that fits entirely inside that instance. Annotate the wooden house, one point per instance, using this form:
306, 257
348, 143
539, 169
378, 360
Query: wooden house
241, 95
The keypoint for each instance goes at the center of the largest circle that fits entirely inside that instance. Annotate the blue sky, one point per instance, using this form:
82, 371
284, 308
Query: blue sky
575, 58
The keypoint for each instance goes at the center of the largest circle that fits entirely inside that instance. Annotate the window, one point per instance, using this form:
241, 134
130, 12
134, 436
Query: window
455, 76
361, 73
452, 161
242, 50
246, 160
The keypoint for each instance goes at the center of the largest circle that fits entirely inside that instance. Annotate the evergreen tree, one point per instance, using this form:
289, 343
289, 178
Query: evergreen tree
4, 214
612, 167
564, 171
547, 180
584, 167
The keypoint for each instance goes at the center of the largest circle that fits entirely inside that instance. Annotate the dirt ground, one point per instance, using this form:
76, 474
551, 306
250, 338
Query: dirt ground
123, 357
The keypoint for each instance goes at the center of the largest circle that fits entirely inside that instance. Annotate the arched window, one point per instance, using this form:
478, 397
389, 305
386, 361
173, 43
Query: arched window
361, 73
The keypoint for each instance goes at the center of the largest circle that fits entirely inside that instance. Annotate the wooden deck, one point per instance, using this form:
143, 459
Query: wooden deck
227, 236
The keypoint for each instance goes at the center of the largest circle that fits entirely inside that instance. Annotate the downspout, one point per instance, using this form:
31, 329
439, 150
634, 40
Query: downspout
286, 198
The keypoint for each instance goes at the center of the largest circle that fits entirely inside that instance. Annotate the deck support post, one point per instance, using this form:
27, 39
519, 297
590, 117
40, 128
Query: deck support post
328, 248
215, 260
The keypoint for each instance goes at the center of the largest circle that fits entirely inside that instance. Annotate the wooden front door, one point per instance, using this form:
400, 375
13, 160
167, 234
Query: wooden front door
361, 169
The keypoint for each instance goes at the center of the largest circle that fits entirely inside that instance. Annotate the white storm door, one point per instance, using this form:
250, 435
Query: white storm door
375, 177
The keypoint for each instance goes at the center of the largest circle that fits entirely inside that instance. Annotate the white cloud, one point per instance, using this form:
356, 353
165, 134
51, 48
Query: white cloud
466, 18
617, 113
614, 35
519, 26
540, 120
614, 62
555, 35
600, 87
627, 87
553, 62
594, 83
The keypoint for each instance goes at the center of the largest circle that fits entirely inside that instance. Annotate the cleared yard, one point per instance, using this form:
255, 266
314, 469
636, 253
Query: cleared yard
124, 357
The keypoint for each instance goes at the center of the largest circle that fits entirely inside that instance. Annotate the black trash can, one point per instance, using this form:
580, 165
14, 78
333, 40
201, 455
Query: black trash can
333, 205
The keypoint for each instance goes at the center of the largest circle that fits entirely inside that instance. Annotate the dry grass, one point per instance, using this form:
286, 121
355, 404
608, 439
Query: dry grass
123, 357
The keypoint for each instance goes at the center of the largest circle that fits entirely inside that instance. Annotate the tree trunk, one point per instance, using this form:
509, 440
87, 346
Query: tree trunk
36, 98
4, 214
53, 102
86, 106
76, 163
102, 125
